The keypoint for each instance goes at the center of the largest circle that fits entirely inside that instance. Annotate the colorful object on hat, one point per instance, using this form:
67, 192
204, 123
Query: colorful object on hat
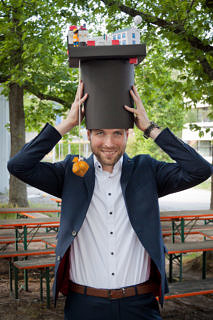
80, 167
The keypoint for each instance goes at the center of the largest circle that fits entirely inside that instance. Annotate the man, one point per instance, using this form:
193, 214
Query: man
110, 251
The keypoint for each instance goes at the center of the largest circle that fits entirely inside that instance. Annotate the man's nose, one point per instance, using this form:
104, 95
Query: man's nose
108, 141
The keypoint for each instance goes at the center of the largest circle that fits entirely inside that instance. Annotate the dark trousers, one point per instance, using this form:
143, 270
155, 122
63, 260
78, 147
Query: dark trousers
83, 307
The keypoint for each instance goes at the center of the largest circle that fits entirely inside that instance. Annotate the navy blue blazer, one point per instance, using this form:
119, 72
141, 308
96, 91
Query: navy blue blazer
143, 181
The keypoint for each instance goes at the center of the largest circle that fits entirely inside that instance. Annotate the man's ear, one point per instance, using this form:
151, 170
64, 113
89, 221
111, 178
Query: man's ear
127, 134
89, 132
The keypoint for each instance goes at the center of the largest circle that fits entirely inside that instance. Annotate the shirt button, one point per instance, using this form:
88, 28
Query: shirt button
74, 233
111, 232
113, 274
109, 194
110, 212
58, 258
112, 253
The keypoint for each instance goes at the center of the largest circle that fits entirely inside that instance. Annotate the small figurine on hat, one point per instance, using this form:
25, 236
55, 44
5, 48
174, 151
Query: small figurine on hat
75, 37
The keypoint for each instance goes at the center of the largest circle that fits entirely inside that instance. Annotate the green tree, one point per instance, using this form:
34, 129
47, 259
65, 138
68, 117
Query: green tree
185, 30
157, 86
33, 59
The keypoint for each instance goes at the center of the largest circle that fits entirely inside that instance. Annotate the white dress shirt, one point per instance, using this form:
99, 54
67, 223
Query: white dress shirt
106, 253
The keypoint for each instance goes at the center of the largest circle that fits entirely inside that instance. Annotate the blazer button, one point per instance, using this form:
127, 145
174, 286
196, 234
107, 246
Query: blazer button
74, 233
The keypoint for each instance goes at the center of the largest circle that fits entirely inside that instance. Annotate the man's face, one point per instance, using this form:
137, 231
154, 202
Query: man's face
108, 145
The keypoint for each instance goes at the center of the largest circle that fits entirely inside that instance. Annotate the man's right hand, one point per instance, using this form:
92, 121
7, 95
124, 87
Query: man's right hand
72, 119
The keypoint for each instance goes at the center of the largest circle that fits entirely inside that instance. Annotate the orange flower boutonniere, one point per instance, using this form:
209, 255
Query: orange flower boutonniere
79, 167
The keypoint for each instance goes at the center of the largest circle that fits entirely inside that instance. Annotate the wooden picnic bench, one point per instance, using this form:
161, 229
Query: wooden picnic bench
24, 227
28, 210
188, 230
175, 251
176, 290
189, 288
8, 239
12, 255
44, 266
185, 219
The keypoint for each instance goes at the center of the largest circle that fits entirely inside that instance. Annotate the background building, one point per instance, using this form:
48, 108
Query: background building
127, 36
4, 143
202, 143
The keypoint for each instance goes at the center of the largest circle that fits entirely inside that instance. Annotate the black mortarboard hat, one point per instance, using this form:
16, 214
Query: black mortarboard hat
108, 76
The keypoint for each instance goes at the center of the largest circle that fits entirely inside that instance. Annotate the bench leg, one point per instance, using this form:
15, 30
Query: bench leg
181, 268
48, 286
17, 238
204, 265
41, 285
26, 280
173, 231
182, 230
16, 281
11, 275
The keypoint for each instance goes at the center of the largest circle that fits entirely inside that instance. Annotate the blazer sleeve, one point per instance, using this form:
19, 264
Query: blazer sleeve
28, 167
188, 170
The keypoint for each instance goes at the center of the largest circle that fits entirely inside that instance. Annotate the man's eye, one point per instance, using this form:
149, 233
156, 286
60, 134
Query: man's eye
118, 133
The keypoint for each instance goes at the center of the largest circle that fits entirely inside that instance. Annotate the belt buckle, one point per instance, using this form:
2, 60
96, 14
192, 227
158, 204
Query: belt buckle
110, 293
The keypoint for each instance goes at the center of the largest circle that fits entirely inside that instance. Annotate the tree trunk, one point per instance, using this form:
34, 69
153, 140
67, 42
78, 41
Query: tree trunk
18, 189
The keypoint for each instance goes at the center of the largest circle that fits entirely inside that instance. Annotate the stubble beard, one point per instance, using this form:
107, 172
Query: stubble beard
107, 161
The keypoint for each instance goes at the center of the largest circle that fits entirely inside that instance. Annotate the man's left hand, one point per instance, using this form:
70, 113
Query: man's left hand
141, 118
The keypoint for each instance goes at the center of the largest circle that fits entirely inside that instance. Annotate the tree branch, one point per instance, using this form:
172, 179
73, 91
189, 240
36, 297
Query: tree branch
206, 67
42, 96
170, 26
4, 78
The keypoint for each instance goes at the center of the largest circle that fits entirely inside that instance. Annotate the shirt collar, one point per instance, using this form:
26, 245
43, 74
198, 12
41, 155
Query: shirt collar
116, 169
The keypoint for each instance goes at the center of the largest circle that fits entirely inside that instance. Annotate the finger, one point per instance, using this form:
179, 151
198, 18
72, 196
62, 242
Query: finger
84, 98
79, 91
134, 97
131, 109
81, 88
132, 93
135, 91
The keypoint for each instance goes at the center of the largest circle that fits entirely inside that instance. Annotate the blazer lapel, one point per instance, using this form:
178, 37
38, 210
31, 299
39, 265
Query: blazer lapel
127, 168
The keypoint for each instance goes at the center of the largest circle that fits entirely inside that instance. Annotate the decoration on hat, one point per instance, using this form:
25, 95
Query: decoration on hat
137, 20
107, 71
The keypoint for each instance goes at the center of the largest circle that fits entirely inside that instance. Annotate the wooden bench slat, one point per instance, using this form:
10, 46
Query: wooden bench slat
11, 241
189, 288
12, 254
50, 234
33, 215
188, 228
185, 247
35, 264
